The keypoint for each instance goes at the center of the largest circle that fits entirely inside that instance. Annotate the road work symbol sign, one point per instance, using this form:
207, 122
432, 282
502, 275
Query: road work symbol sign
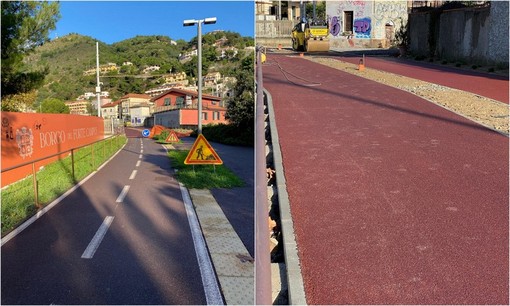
172, 137
202, 153
145, 133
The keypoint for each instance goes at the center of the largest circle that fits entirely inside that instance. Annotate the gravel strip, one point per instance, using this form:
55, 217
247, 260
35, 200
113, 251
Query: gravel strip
488, 112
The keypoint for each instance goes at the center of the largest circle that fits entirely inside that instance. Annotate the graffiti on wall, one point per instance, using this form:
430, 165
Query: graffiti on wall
334, 26
362, 27
361, 23
369, 17
387, 12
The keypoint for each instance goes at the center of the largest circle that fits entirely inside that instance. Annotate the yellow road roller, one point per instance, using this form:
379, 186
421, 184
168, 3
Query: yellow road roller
312, 35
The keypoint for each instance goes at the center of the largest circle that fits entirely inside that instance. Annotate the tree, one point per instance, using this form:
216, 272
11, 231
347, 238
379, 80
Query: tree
54, 106
320, 10
240, 108
91, 109
25, 25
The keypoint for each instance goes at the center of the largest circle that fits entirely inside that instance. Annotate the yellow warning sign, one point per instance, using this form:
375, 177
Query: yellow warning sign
202, 153
172, 137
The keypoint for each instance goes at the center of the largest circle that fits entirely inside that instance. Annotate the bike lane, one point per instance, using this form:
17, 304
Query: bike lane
485, 84
146, 255
394, 199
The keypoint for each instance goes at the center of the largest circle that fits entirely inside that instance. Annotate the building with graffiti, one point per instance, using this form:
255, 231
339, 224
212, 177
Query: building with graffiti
365, 24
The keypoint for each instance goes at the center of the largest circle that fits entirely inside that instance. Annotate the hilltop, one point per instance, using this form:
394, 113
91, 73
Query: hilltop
68, 57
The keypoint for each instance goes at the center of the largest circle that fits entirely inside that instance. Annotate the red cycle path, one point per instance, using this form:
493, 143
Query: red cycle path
488, 85
394, 199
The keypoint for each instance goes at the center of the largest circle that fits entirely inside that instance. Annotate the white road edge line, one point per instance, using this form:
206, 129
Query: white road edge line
98, 237
40, 213
133, 174
211, 288
209, 281
122, 194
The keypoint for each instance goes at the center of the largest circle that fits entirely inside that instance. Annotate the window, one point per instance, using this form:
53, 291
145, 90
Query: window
179, 102
216, 115
204, 116
348, 21
167, 101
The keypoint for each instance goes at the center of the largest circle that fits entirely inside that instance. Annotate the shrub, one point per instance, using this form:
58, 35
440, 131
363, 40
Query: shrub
228, 134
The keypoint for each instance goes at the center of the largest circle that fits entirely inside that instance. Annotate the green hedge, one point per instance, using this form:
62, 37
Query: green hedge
229, 134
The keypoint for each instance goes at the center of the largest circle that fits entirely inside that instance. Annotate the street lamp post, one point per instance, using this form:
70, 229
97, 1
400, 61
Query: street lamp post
191, 22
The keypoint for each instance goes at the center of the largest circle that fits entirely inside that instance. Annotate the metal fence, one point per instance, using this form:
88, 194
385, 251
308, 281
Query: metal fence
113, 126
97, 155
274, 28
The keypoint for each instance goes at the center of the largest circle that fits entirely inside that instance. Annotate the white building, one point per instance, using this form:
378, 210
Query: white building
364, 24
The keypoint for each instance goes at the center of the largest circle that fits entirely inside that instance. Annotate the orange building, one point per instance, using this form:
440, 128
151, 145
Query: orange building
178, 108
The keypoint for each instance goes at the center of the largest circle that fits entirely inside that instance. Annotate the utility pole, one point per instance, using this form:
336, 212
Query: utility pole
98, 87
199, 27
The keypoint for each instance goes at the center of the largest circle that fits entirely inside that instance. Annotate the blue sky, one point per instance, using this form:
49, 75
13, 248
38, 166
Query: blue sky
114, 21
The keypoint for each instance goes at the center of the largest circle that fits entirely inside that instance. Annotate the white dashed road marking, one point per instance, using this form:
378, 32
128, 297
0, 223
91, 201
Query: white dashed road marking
133, 174
122, 194
98, 237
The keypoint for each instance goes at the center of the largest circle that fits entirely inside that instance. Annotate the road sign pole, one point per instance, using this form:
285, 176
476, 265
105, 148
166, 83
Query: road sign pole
199, 27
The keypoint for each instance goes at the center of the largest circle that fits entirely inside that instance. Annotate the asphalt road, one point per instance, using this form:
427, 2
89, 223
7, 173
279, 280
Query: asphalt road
146, 256
394, 200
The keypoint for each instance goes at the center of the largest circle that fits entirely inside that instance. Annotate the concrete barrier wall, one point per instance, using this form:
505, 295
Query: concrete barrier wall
27, 137
473, 35
464, 35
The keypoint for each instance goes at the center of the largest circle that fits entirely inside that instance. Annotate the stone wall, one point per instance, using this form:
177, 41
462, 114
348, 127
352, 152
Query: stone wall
498, 32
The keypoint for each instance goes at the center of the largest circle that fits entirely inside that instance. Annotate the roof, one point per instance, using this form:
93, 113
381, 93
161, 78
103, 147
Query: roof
134, 95
111, 104
185, 92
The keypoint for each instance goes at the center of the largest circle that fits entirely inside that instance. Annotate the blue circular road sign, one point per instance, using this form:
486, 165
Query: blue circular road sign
145, 133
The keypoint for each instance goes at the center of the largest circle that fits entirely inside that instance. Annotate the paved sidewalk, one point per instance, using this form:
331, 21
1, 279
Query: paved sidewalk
233, 264
227, 220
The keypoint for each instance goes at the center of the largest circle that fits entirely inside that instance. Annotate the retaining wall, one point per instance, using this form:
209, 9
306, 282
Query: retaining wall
473, 35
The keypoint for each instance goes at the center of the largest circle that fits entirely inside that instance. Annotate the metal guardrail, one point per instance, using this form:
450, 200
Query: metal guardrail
262, 255
72, 150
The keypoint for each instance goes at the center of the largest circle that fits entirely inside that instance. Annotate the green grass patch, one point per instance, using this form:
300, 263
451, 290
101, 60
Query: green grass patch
18, 202
202, 176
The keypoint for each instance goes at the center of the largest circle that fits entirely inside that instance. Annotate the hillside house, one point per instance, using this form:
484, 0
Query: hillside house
102, 69
139, 113
150, 69
211, 79
178, 77
228, 52
127, 102
78, 107
177, 108
188, 55
110, 110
